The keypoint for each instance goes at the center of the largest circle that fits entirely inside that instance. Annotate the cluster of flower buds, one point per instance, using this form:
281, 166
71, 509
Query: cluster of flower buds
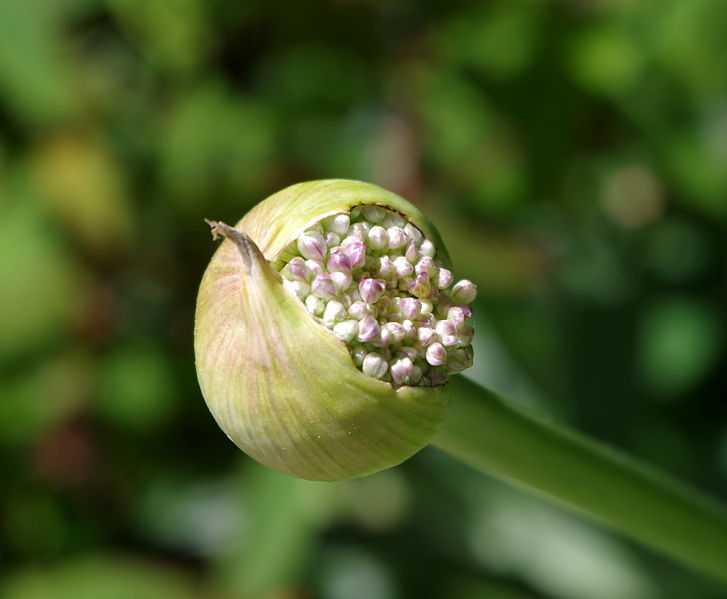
374, 279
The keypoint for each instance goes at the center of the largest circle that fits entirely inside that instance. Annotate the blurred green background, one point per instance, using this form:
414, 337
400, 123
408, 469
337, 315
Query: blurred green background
574, 155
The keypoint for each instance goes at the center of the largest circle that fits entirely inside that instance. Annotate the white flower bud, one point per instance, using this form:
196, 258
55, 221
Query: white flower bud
374, 365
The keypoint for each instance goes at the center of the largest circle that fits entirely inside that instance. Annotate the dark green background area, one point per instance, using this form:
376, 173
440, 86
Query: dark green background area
573, 154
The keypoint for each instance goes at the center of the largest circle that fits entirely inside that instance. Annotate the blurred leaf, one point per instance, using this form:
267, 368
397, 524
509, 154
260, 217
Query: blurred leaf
34, 524
36, 400
41, 285
496, 38
515, 534
215, 143
313, 76
281, 532
689, 38
173, 34
701, 176
678, 341
675, 250
605, 61
84, 186
137, 387
476, 148
354, 573
35, 71
99, 577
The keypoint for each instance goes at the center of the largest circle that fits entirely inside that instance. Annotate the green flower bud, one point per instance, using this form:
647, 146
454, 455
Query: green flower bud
311, 343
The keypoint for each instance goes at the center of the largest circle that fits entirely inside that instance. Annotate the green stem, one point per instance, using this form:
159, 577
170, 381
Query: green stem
502, 439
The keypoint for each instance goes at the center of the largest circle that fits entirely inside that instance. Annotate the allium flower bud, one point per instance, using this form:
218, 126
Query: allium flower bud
436, 354
320, 351
359, 309
338, 224
410, 307
300, 288
323, 287
374, 365
426, 266
346, 330
402, 267
338, 261
401, 369
296, 269
427, 248
356, 252
377, 238
396, 237
342, 280
332, 239
464, 292
368, 329
371, 289
334, 312
444, 278
312, 245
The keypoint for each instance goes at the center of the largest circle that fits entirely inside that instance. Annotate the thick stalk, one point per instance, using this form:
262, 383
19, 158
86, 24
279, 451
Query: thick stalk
500, 438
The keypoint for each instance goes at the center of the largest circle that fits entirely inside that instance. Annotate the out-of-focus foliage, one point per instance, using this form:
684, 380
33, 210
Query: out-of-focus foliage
574, 154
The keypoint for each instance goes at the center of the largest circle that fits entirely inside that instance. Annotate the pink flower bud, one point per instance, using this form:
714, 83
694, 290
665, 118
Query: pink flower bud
426, 266
444, 278
410, 307
312, 245
401, 370
459, 314
449, 340
397, 237
337, 224
324, 287
413, 233
359, 309
464, 292
296, 269
385, 267
402, 267
425, 335
356, 252
368, 329
371, 289
412, 253
427, 248
338, 261
342, 280
396, 331
313, 269
436, 354
383, 339
445, 327
360, 231
377, 238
